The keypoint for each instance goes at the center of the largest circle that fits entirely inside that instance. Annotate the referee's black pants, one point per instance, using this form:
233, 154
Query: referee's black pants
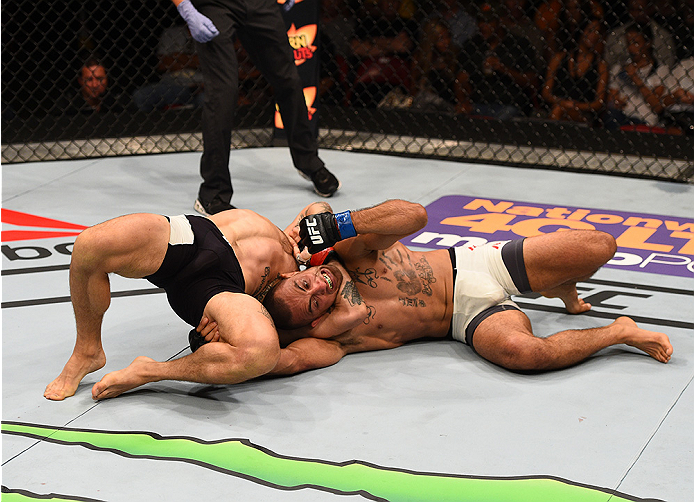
260, 28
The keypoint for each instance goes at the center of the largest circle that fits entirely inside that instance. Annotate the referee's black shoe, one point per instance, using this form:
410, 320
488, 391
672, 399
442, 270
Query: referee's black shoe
325, 183
214, 207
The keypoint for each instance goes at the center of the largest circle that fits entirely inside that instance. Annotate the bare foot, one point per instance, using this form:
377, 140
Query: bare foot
569, 295
76, 368
115, 383
657, 345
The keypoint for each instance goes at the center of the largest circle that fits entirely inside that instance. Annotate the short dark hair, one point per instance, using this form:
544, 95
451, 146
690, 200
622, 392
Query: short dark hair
92, 61
280, 311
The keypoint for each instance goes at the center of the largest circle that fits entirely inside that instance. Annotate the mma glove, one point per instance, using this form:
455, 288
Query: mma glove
202, 29
323, 230
322, 257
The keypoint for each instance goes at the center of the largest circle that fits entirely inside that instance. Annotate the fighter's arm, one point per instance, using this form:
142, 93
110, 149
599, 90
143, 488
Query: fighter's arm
307, 354
248, 348
381, 226
348, 312
362, 231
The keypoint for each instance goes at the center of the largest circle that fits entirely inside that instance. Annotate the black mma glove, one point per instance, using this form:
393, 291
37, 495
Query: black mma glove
323, 230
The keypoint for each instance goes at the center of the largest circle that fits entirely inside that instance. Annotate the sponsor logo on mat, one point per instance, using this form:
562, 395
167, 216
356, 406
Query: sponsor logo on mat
647, 243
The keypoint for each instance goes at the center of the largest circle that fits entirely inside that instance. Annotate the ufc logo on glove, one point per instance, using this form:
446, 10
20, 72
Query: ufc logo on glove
313, 232
320, 231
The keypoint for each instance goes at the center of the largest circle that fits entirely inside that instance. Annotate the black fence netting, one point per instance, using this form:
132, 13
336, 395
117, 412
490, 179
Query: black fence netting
598, 85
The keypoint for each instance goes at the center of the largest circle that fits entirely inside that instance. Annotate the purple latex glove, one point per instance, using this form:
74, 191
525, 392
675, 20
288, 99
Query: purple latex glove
202, 29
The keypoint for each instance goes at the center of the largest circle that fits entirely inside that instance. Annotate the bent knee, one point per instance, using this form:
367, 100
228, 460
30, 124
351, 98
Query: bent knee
87, 249
603, 245
522, 352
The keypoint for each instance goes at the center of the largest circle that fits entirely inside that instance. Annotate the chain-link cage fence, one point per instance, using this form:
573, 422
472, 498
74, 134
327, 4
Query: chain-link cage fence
599, 85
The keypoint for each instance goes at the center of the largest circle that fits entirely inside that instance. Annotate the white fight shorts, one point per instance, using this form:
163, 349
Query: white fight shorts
485, 277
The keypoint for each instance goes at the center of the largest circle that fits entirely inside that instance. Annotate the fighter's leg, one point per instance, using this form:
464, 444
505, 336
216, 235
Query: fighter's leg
506, 338
556, 262
131, 246
248, 347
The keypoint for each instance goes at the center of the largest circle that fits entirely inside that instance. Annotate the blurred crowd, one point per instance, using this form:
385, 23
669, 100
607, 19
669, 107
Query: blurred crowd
614, 64
573, 60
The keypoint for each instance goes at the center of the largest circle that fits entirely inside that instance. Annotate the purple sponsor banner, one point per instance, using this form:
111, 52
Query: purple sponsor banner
647, 243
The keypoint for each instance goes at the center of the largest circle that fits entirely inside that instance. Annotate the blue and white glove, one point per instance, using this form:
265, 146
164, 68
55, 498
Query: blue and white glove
202, 29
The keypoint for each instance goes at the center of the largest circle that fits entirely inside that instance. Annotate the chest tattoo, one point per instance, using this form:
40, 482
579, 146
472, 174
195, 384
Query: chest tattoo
370, 314
426, 275
412, 277
367, 277
412, 302
352, 295
265, 285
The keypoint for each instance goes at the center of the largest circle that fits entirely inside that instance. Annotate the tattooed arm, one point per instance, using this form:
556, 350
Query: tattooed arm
348, 312
381, 226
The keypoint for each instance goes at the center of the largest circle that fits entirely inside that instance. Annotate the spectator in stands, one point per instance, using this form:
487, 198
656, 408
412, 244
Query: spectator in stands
180, 83
636, 88
94, 95
640, 14
561, 22
679, 102
497, 71
461, 24
682, 29
435, 69
515, 20
382, 46
576, 81
336, 29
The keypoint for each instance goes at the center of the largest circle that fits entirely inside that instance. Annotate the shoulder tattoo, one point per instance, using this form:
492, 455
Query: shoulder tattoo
265, 312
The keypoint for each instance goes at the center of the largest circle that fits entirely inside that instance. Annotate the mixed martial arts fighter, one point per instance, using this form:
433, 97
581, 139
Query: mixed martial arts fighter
391, 295
217, 268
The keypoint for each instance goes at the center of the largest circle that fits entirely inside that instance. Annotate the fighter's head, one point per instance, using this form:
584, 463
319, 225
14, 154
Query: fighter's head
300, 298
